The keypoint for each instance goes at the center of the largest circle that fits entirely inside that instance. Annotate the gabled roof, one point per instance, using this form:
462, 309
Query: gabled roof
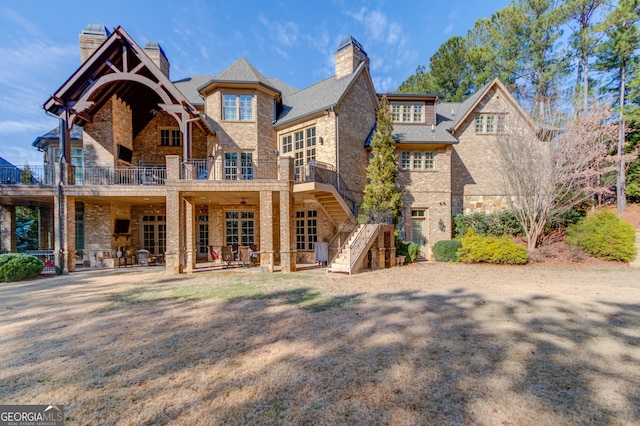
53, 135
240, 72
318, 97
119, 66
5, 163
189, 87
455, 113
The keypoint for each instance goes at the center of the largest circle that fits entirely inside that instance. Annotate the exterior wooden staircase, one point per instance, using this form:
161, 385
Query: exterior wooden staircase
351, 256
329, 199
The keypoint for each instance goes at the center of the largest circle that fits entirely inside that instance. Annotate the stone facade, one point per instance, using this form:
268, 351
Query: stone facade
465, 177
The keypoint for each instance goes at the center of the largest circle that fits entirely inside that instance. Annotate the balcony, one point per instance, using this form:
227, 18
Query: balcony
220, 169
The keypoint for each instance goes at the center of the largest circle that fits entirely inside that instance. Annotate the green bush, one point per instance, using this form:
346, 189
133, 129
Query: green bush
413, 250
18, 267
478, 248
504, 222
445, 251
604, 235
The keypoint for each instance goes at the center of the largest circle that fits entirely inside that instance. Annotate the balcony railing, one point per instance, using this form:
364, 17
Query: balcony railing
119, 176
26, 175
229, 169
316, 171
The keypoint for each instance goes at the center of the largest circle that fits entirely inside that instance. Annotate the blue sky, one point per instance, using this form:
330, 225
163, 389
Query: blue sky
293, 41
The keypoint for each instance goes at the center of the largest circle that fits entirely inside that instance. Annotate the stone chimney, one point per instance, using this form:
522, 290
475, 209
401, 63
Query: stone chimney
91, 38
156, 54
348, 56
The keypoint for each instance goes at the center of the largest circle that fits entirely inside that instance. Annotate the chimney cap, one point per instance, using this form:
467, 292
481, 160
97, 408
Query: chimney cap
154, 45
96, 30
350, 41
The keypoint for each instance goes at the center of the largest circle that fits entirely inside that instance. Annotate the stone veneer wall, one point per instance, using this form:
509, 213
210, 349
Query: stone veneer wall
122, 125
476, 178
255, 136
98, 139
357, 116
431, 191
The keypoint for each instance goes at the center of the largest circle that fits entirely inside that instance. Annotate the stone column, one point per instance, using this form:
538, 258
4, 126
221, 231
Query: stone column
8, 229
266, 231
44, 228
287, 250
70, 233
189, 234
172, 256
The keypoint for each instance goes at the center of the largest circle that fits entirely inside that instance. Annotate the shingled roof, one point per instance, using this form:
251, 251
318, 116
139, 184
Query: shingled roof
318, 97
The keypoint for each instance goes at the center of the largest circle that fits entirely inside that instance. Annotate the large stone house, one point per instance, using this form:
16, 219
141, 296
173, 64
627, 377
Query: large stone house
184, 168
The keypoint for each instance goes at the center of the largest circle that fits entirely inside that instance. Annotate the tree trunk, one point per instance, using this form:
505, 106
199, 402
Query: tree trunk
621, 195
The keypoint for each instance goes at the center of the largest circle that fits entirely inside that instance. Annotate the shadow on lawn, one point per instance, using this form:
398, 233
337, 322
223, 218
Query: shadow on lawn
296, 356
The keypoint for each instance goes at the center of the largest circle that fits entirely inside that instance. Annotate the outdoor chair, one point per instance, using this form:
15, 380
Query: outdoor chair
144, 258
244, 255
227, 255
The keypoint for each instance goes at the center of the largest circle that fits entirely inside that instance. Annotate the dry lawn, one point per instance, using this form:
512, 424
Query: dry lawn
428, 343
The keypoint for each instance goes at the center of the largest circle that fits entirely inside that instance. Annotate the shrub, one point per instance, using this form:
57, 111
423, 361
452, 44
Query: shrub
478, 248
445, 251
413, 250
18, 267
604, 235
504, 222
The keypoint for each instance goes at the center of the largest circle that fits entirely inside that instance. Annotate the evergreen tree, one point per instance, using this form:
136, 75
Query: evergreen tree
381, 195
580, 16
618, 55
421, 81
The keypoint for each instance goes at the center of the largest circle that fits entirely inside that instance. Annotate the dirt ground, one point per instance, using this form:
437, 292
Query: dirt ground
428, 343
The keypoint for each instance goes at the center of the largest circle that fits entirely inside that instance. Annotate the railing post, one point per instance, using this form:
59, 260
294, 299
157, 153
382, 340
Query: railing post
173, 167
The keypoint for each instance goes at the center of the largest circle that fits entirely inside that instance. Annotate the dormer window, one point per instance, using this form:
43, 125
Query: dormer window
237, 107
407, 113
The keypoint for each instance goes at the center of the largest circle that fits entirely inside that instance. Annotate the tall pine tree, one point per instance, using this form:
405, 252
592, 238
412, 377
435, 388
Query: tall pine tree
619, 55
382, 195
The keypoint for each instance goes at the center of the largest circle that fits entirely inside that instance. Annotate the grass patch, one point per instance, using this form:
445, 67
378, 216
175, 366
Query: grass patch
277, 288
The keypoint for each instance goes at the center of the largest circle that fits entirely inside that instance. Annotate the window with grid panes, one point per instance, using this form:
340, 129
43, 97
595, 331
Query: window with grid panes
240, 228
306, 229
304, 146
407, 113
490, 123
417, 160
234, 169
170, 137
237, 107
417, 226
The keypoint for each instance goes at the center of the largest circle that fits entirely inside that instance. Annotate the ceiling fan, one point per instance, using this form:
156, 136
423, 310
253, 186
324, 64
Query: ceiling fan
243, 202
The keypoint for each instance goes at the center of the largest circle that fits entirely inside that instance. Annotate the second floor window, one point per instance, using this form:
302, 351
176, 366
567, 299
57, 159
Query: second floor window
417, 160
170, 137
490, 123
237, 107
302, 144
238, 165
407, 113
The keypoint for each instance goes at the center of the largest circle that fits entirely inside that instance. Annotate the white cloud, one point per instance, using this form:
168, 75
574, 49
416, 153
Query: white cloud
13, 126
19, 156
449, 29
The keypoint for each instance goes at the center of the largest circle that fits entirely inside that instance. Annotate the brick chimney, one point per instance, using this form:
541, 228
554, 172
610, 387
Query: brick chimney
348, 56
91, 38
157, 55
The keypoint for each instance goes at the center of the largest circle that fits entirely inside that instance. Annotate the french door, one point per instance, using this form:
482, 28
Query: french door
154, 234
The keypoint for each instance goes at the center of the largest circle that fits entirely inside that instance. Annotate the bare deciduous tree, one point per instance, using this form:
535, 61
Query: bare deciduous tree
547, 172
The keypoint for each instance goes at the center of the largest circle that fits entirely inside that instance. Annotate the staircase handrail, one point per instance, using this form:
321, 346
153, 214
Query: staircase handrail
345, 230
317, 173
352, 259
